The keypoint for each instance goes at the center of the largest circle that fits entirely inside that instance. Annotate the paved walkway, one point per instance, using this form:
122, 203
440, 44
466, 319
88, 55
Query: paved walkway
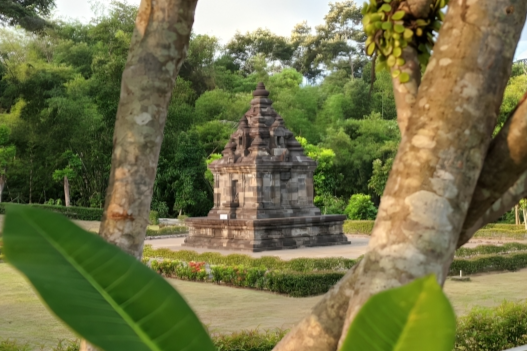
358, 246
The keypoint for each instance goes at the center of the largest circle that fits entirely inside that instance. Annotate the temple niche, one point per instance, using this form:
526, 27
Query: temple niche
263, 190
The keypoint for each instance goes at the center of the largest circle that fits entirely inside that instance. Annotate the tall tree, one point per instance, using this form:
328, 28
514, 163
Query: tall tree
25, 13
433, 200
7, 154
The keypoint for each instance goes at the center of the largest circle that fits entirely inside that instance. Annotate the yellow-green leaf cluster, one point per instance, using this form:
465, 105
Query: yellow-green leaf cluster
390, 29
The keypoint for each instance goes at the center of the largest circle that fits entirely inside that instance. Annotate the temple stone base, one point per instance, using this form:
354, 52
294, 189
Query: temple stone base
266, 234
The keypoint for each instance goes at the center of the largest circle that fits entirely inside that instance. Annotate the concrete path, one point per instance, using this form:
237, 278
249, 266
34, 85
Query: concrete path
358, 246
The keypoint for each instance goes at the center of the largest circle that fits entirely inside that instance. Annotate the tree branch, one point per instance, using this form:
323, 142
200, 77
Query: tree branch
419, 8
505, 162
508, 200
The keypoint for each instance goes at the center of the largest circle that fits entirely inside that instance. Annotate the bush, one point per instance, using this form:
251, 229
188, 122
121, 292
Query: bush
358, 227
500, 233
154, 218
249, 340
329, 204
79, 213
490, 249
182, 218
269, 262
480, 264
493, 329
360, 207
296, 284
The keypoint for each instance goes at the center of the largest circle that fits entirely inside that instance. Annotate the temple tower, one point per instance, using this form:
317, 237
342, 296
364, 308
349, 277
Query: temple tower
263, 190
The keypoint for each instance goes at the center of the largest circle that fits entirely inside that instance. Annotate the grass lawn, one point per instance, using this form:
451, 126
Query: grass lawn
225, 309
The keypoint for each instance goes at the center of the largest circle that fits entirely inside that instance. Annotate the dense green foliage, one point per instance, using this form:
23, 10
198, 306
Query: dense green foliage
360, 207
59, 91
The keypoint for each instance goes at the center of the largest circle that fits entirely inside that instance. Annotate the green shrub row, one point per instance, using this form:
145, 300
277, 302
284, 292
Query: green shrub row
498, 233
483, 329
489, 263
491, 249
358, 227
295, 284
269, 262
79, 213
166, 231
493, 230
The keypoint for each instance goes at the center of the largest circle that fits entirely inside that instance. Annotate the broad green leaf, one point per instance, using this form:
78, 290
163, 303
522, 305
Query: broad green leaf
408, 33
396, 73
102, 293
404, 77
387, 25
385, 8
398, 15
399, 28
417, 316
371, 49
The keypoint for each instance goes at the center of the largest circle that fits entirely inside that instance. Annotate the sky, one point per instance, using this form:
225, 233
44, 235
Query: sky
223, 18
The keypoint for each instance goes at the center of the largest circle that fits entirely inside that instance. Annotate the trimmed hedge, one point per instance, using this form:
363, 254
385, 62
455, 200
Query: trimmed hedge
79, 213
492, 231
166, 231
269, 262
489, 263
490, 249
295, 284
358, 227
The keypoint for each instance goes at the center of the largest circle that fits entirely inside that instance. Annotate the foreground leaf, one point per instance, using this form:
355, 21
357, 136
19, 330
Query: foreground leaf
102, 293
417, 316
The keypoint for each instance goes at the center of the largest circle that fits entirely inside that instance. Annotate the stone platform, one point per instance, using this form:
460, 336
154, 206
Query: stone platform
266, 234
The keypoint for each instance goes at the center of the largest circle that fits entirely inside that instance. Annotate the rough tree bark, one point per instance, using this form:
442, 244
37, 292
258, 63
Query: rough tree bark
405, 94
506, 160
66, 192
437, 167
157, 51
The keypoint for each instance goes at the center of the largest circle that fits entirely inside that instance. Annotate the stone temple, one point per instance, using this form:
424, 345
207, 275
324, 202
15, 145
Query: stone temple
263, 191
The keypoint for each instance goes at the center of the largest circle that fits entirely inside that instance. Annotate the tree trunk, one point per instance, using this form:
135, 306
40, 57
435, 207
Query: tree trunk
436, 169
66, 191
525, 217
517, 215
158, 49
